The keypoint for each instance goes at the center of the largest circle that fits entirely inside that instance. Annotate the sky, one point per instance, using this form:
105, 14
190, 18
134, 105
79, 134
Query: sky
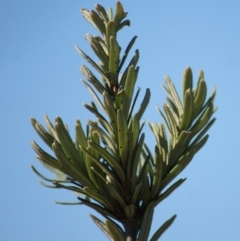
40, 75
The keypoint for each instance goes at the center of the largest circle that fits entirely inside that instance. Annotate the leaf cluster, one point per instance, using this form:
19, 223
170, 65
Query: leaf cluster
109, 165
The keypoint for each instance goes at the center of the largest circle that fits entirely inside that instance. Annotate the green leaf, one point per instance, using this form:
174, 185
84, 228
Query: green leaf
163, 228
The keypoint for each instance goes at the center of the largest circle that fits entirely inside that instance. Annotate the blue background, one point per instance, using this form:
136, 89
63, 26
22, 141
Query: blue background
40, 74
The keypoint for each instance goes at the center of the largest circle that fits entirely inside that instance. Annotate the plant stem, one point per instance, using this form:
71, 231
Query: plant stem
131, 229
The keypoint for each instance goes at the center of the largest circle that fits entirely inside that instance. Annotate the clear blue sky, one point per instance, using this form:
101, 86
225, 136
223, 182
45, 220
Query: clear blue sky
40, 74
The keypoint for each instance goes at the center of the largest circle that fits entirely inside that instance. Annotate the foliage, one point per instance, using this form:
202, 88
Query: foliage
109, 165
